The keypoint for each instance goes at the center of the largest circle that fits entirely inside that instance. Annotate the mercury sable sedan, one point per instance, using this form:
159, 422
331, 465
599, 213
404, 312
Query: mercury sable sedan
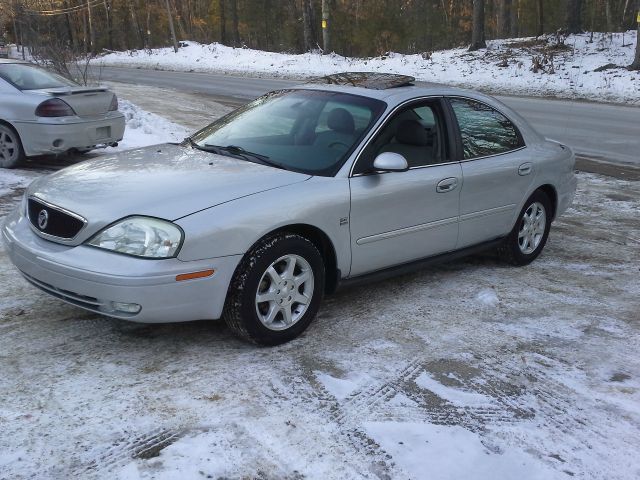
44, 113
258, 215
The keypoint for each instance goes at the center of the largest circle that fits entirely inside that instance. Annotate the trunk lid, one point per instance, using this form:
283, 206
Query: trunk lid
85, 101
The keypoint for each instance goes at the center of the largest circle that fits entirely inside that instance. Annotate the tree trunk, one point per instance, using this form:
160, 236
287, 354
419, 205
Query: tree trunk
477, 35
326, 37
307, 26
636, 62
171, 27
92, 33
223, 23
540, 12
235, 30
607, 8
574, 16
513, 18
504, 7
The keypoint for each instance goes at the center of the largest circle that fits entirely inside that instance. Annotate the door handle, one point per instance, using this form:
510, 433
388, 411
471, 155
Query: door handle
525, 168
447, 185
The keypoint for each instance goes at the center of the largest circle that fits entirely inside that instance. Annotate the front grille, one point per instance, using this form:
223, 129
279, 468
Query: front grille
53, 221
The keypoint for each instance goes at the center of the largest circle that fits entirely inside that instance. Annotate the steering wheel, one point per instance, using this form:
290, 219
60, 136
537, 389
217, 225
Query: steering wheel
341, 144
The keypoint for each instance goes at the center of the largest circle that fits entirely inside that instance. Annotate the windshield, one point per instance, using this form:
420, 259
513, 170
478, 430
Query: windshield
308, 131
28, 77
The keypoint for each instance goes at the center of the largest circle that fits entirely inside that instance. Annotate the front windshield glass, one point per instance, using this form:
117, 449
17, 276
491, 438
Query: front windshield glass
28, 77
309, 131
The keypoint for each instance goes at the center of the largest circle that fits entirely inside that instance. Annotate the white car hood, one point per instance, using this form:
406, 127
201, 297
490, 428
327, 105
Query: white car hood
165, 181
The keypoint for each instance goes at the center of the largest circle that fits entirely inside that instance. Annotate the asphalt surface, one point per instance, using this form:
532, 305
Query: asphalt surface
594, 130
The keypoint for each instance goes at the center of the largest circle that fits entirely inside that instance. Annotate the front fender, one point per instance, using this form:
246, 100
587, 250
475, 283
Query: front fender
232, 228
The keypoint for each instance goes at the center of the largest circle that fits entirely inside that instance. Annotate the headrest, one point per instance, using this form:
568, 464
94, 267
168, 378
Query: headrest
411, 132
340, 120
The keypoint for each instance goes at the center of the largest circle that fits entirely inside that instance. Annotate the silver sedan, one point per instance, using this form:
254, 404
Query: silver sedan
44, 113
258, 215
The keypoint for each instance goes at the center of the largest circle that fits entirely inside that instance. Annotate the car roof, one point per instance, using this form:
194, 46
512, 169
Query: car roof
13, 60
391, 94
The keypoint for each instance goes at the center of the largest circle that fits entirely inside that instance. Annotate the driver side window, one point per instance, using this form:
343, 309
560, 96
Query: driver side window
416, 132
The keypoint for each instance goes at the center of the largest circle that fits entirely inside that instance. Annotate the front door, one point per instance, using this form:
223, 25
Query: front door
398, 217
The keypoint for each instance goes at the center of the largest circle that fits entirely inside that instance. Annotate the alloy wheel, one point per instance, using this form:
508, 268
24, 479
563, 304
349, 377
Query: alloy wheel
284, 292
532, 227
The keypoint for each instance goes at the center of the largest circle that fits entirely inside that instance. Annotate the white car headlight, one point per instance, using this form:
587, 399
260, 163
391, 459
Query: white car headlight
141, 237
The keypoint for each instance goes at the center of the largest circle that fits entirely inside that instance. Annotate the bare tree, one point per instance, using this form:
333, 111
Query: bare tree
513, 18
540, 14
504, 8
636, 61
574, 16
477, 35
326, 36
307, 25
223, 23
235, 29
171, 27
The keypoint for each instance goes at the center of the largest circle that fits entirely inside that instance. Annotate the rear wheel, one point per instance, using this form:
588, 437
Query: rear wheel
530, 233
276, 290
11, 153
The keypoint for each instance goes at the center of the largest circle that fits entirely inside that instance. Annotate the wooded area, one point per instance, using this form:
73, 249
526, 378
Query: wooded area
348, 27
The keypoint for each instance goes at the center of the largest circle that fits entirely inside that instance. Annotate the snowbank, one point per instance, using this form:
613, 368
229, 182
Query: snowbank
506, 66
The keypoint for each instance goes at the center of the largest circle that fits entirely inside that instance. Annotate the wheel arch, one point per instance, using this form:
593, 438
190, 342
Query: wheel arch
324, 245
551, 192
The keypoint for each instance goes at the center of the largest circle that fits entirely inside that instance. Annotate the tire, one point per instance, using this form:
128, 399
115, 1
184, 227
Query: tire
11, 152
263, 271
529, 235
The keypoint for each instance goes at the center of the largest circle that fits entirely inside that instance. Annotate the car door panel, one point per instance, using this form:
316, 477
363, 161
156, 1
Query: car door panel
400, 217
491, 193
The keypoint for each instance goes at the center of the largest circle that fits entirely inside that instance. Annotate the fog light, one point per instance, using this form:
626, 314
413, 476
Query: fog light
57, 143
125, 307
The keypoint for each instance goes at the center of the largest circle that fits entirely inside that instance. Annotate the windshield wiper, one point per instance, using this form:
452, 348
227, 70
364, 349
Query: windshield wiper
242, 153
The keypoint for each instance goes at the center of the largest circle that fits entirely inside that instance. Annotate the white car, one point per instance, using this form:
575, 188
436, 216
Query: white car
43, 113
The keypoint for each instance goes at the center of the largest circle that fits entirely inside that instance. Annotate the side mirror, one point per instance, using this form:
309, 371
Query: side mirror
390, 162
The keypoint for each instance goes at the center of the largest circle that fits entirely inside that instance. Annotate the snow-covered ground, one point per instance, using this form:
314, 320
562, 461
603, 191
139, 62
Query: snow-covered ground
504, 67
470, 370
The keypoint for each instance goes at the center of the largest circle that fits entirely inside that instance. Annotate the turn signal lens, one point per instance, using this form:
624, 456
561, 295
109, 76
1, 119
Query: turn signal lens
54, 107
191, 276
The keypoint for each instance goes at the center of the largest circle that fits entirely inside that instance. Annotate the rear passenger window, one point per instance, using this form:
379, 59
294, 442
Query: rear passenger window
484, 130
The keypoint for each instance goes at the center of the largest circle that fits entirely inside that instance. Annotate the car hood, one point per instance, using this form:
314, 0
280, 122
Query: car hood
165, 181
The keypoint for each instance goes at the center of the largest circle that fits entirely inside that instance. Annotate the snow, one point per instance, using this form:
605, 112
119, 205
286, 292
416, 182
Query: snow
453, 395
146, 128
440, 452
574, 65
472, 369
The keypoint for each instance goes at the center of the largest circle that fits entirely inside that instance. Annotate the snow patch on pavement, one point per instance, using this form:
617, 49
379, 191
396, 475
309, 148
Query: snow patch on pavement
452, 395
440, 452
505, 66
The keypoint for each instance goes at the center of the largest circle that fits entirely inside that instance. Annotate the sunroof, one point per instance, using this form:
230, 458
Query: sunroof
373, 80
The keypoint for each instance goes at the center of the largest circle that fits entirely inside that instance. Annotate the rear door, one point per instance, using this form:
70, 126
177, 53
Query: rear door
496, 171
398, 217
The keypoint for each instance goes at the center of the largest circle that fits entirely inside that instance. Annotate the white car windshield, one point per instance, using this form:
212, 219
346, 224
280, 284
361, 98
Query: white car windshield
309, 131
28, 77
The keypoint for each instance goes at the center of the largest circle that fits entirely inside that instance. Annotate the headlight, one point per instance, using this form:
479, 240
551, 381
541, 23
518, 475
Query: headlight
141, 237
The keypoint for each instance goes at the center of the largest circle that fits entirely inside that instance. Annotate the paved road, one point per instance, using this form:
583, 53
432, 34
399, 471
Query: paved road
599, 131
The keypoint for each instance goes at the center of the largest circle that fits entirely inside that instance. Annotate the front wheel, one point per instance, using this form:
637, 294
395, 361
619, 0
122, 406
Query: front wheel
11, 153
530, 233
276, 290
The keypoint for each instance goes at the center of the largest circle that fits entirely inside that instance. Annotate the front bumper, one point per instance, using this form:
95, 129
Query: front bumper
52, 135
99, 281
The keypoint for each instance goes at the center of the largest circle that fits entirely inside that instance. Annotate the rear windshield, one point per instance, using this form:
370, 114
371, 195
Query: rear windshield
28, 77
